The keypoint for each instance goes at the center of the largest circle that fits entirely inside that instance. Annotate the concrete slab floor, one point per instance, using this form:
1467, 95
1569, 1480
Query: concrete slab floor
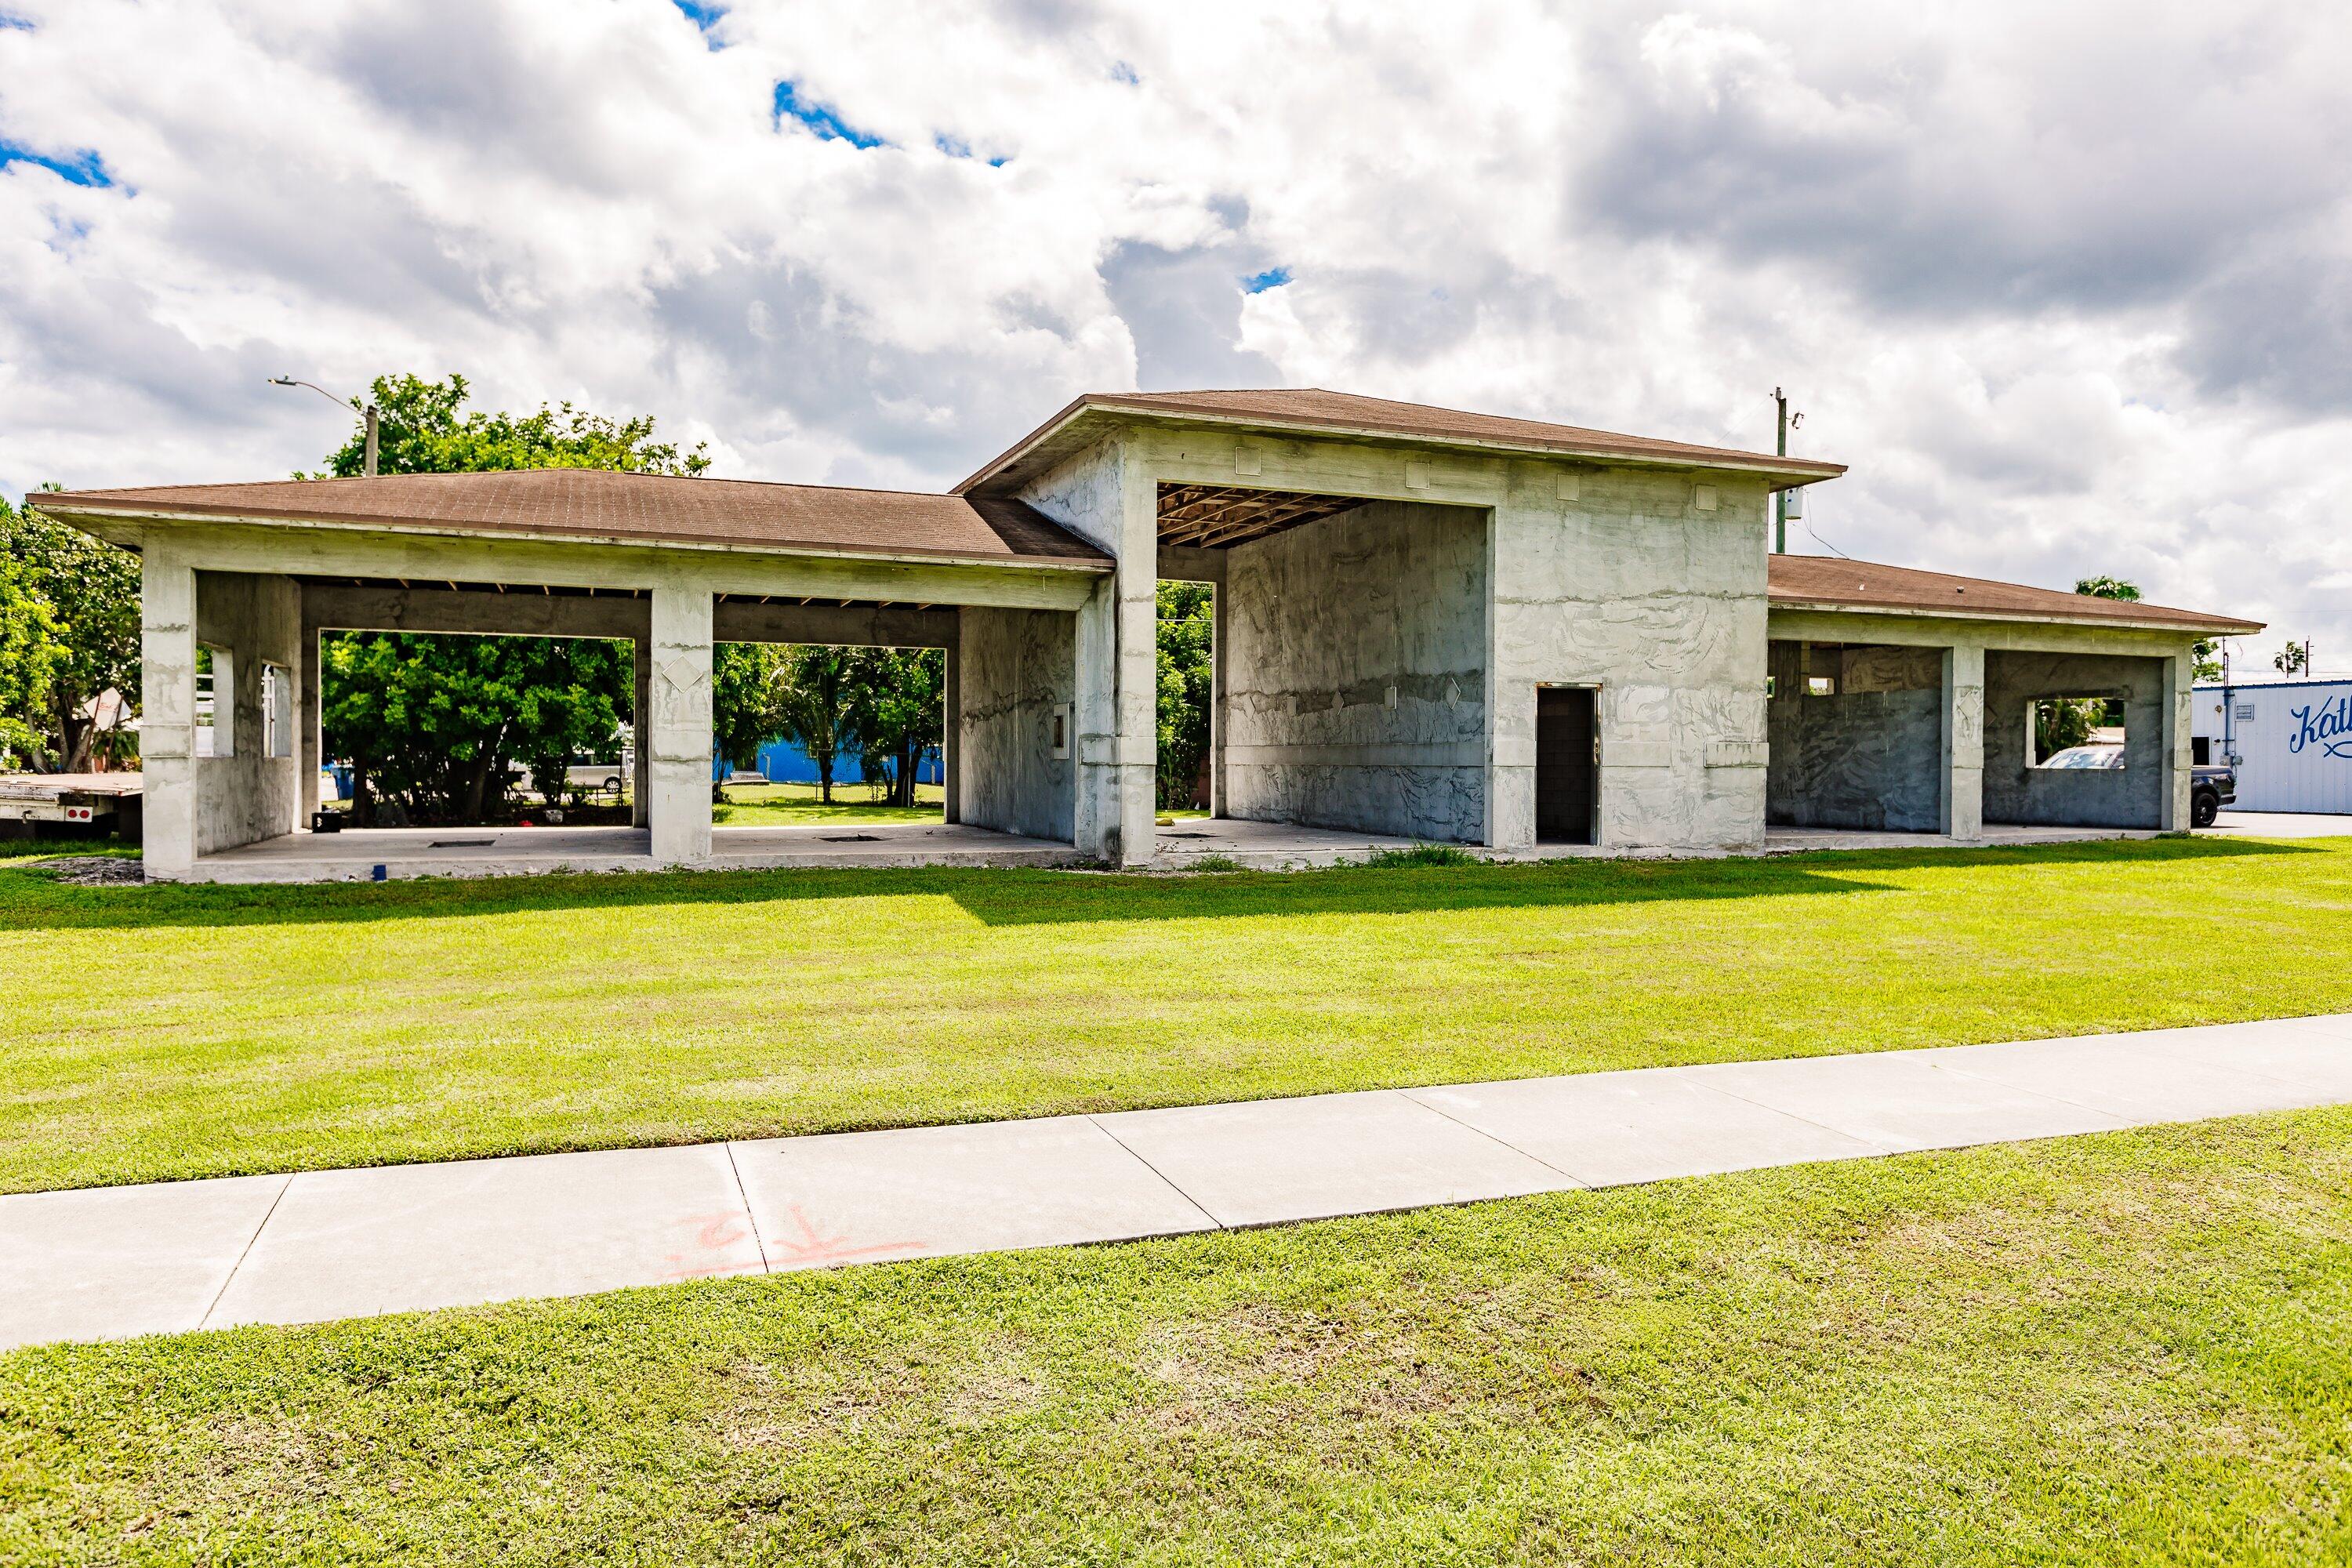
110, 1262
2281, 824
405, 852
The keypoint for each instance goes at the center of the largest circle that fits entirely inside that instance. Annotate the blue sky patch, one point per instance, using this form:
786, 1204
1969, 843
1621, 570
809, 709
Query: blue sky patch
704, 15
82, 168
1259, 282
957, 147
817, 117
1121, 71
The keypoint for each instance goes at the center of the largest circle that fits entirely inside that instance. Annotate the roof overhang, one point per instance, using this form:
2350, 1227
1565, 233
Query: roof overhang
1087, 419
127, 526
2217, 626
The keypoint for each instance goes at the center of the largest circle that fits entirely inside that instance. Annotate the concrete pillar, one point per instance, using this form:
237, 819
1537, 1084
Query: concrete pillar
1138, 748
1964, 743
2179, 778
1220, 678
167, 729
307, 743
951, 742
680, 735
640, 728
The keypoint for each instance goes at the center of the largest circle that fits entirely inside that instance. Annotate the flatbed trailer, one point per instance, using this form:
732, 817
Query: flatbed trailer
68, 804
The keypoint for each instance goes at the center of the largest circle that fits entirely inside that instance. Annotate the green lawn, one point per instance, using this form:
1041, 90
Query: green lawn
794, 804
182, 1031
2129, 1349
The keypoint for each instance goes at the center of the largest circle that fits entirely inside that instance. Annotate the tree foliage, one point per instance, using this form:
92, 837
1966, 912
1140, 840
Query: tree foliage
896, 713
814, 694
434, 723
2292, 659
85, 593
425, 428
1187, 639
2107, 588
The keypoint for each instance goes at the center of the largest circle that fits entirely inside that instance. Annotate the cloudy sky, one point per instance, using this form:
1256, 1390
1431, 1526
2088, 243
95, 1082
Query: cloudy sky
2069, 286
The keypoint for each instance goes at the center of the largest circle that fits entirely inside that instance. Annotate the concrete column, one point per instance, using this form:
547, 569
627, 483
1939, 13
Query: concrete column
680, 736
951, 742
167, 729
307, 743
641, 729
1964, 743
1220, 677
2179, 778
1138, 750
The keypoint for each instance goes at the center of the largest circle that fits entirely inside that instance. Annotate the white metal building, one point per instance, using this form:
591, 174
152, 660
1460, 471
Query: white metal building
2292, 740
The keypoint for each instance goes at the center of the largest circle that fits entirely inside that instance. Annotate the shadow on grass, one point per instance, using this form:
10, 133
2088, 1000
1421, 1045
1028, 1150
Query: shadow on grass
31, 901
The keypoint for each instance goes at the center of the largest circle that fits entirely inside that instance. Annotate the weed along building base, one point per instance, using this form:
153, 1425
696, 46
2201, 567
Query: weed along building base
1430, 626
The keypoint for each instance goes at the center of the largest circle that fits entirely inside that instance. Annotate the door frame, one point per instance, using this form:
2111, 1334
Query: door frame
1593, 829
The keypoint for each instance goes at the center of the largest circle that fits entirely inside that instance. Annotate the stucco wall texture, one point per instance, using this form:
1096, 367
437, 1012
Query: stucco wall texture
1869, 754
1014, 668
249, 794
1624, 581
2128, 796
1357, 671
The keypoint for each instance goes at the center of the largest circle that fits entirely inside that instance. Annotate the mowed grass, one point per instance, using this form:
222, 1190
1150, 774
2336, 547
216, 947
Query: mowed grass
157, 1032
2127, 1349
799, 805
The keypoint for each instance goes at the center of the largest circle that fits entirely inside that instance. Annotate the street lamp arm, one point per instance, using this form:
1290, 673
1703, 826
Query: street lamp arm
290, 380
367, 413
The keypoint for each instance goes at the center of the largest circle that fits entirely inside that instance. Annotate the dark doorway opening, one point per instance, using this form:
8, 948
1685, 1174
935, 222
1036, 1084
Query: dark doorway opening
1567, 759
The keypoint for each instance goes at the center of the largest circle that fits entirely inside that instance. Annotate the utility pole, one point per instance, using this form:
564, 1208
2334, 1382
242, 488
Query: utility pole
1781, 497
368, 413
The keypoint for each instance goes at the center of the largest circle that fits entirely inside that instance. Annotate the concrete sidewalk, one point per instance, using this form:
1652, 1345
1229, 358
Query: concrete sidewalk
116, 1261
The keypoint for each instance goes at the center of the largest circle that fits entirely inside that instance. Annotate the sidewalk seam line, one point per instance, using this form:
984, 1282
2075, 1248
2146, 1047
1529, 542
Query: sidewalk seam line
1156, 1170
1413, 1095
247, 1250
751, 1218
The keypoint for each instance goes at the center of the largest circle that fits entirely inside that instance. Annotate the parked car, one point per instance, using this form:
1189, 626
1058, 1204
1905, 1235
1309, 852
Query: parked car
2210, 789
2092, 756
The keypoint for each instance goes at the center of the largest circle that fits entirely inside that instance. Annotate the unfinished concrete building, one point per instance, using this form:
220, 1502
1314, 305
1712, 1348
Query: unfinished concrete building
1430, 626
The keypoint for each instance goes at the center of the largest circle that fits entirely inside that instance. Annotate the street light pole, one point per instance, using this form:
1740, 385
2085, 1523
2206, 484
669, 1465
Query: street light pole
1781, 497
368, 413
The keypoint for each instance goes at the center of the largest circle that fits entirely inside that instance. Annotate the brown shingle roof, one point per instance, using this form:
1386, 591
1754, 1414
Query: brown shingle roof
1826, 582
654, 509
1314, 408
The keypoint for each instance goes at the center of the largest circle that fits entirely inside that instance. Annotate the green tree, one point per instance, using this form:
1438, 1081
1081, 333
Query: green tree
432, 722
1186, 688
2292, 659
91, 591
896, 713
2107, 588
30, 655
748, 682
426, 429
812, 702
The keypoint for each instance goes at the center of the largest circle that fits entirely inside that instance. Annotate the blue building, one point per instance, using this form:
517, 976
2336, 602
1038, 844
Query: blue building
785, 761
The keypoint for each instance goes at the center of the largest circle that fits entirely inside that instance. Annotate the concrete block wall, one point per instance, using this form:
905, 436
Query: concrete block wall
1870, 754
1014, 667
1355, 673
2131, 796
248, 795
1650, 587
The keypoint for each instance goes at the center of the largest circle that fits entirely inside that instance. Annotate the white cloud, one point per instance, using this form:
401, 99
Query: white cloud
2064, 284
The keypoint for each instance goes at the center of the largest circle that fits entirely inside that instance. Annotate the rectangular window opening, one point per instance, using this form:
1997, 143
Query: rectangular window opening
2075, 732
1820, 686
215, 701
277, 711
